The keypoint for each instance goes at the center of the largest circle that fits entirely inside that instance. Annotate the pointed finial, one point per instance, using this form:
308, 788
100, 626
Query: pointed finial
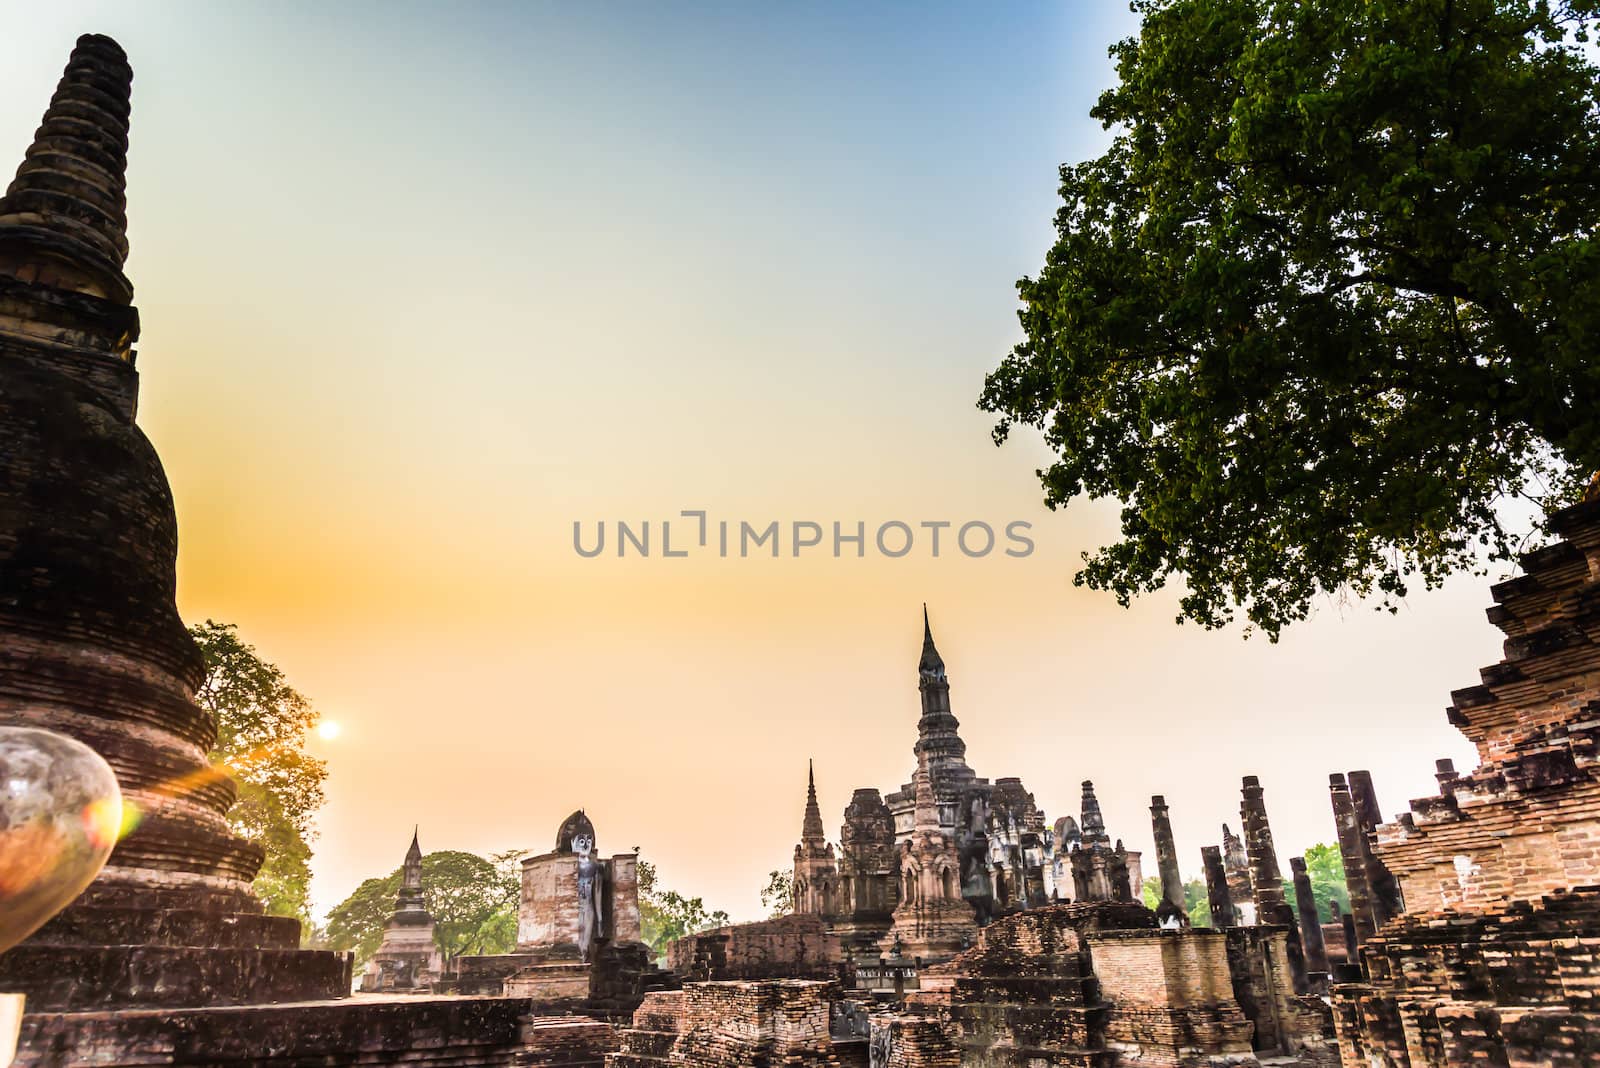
62, 220
932, 664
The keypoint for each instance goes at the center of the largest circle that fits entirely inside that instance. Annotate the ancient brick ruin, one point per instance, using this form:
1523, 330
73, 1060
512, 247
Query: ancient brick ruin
93, 646
990, 940
1477, 913
950, 925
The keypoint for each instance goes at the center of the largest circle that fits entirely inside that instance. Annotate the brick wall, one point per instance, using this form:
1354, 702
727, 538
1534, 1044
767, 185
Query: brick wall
1165, 969
799, 947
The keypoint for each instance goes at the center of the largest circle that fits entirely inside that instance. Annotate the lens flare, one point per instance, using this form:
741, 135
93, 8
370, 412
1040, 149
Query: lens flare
104, 820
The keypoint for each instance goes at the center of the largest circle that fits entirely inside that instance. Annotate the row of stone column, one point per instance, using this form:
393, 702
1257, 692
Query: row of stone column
1244, 884
1256, 877
1374, 892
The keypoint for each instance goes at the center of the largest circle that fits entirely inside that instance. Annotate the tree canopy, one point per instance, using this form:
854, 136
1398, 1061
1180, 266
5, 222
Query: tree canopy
262, 724
1325, 869
473, 901
1330, 298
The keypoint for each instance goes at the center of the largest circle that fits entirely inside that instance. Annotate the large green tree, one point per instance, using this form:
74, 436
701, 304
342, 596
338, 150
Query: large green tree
1328, 300
262, 723
473, 901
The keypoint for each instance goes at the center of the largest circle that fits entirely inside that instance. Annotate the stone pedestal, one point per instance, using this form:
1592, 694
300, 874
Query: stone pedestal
407, 959
549, 914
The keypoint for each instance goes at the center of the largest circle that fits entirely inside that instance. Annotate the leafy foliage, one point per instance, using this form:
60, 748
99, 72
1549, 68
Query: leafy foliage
778, 897
1195, 900
473, 902
1331, 296
262, 724
666, 915
1325, 869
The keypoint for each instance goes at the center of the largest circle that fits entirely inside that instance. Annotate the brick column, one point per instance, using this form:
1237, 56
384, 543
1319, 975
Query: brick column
1310, 926
1167, 856
1222, 911
1385, 890
1271, 905
1353, 851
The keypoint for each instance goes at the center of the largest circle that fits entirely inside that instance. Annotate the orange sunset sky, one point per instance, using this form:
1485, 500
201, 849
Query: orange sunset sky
423, 285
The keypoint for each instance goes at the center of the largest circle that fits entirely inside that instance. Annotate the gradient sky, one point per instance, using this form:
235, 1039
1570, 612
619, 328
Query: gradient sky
421, 286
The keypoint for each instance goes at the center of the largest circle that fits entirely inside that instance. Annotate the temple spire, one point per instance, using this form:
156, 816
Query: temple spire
1092, 821
62, 220
811, 829
937, 736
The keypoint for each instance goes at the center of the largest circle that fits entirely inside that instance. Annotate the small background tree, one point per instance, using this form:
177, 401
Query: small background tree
778, 896
1195, 901
666, 915
1325, 869
473, 901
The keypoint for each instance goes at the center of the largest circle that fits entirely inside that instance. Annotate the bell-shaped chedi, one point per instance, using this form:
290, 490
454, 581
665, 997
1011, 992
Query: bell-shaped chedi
91, 644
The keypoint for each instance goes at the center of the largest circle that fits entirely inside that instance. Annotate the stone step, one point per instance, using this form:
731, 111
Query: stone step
131, 926
633, 1060
85, 978
396, 1031
648, 1043
651, 1021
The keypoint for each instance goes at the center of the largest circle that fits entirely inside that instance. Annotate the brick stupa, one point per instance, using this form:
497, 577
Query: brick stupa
168, 957
90, 640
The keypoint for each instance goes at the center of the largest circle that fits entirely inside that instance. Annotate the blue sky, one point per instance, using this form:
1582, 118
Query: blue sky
423, 285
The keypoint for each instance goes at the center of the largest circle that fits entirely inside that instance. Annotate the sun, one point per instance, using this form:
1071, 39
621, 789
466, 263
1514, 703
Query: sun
329, 729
